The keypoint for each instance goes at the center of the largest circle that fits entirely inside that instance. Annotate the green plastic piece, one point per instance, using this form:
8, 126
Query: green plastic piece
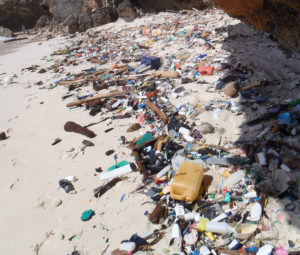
146, 137
294, 102
120, 164
86, 215
227, 198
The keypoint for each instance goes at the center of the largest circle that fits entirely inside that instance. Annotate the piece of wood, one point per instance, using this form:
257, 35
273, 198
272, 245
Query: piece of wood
144, 69
156, 110
136, 155
67, 83
111, 94
15, 39
250, 86
137, 147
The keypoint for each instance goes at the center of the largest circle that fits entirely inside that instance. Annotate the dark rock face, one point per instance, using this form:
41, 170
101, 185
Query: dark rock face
126, 11
279, 17
84, 21
163, 5
15, 13
82, 14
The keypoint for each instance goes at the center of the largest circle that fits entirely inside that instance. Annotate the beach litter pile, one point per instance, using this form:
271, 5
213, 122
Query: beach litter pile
217, 154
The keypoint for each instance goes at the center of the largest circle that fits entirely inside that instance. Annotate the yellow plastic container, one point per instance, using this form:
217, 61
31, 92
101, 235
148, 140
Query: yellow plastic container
187, 181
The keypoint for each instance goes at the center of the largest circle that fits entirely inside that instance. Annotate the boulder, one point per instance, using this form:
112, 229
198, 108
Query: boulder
231, 89
206, 128
14, 14
5, 32
126, 11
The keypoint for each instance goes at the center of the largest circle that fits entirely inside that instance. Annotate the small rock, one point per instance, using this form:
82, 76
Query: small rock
58, 203
186, 80
206, 128
88, 143
42, 71
231, 89
5, 32
2, 136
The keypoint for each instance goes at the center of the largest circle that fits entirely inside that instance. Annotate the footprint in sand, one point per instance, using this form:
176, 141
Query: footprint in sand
9, 130
17, 162
12, 186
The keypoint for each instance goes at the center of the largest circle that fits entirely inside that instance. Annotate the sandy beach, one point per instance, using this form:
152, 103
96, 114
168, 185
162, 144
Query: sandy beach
33, 116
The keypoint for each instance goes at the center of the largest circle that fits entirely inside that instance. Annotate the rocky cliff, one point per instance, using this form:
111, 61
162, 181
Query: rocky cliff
15, 13
279, 17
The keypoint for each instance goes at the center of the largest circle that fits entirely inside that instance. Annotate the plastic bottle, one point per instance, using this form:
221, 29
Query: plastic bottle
176, 161
127, 246
251, 194
162, 172
204, 250
188, 138
235, 178
184, 131
192, 216
187, 181
265, 250
176, 239
218, 227
255, 212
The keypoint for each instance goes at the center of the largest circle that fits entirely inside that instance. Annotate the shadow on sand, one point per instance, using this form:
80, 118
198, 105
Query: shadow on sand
256, 56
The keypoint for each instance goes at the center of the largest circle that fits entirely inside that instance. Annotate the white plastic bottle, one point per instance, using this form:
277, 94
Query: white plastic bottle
184, 131
176, 239
192, 216
162, 172
218, 227
255, 212
235, 178
265, 250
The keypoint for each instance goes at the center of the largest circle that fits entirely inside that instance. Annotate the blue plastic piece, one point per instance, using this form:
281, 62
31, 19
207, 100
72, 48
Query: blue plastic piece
284, 118
154, 62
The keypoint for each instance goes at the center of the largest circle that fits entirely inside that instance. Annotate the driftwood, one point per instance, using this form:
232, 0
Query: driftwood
111, 94
15, 39
250, 86
136, 155
156, 110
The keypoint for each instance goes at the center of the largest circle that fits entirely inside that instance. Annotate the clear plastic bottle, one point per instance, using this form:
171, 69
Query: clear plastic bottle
218, 227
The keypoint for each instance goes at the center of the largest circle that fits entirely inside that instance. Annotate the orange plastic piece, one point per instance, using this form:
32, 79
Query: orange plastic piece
177, 65
114, 66
146, 31
206, 70
187, 181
